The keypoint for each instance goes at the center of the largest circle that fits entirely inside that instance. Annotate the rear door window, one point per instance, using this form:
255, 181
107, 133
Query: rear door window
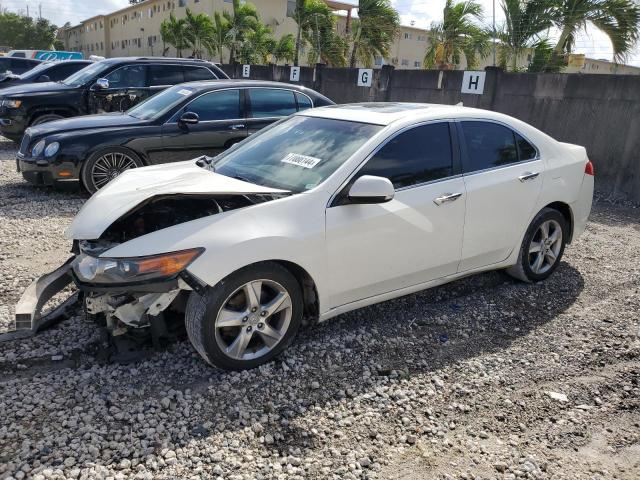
271, 102
60, 72
419, 155
222, 105
163, 75
489, 145
194, 74
304, 102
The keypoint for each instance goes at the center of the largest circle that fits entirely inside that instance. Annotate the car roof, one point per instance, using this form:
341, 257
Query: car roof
156, 60
236, 83
385, 113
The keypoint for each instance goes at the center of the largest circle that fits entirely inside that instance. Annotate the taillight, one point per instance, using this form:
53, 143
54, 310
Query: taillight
588, 168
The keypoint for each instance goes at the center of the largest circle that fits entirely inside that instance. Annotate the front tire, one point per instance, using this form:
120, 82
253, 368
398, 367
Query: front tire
45, 118
105, 165
542, 247
247, 319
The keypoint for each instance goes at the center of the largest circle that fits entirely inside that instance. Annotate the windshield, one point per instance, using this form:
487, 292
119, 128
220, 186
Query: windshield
81, 77
296, 154
161, 103
35, 71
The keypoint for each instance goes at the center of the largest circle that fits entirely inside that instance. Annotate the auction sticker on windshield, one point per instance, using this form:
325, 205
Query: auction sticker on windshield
301, 160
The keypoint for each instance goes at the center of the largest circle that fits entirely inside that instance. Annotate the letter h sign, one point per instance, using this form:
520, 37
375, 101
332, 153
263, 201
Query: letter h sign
473, 82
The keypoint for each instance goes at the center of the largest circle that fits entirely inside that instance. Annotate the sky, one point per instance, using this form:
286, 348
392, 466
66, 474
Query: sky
421, 12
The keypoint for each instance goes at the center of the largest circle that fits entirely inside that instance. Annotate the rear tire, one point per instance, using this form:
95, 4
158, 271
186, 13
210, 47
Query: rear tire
247, 319
105, 165
45, 118
542, 247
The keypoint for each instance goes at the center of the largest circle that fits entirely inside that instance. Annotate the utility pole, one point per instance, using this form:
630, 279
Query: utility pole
39, 11
27, 10
494, 33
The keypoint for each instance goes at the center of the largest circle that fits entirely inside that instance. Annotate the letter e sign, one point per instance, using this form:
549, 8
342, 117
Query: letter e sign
473, 82
246, 70
294, 76
365, 76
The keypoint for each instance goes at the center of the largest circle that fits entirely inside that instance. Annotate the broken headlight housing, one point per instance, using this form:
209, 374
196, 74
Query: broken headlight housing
98, 270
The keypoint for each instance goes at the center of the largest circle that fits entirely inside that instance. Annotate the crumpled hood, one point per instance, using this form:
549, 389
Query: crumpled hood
135, 186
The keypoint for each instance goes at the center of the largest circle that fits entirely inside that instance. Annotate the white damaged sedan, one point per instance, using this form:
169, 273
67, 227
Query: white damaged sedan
329, 210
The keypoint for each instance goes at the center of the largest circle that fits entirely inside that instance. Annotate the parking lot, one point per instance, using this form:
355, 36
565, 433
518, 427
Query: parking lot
482, 378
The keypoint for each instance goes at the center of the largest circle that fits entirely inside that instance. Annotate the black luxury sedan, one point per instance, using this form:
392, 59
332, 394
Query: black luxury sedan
180, 123
16, 65
111, 85
45, 72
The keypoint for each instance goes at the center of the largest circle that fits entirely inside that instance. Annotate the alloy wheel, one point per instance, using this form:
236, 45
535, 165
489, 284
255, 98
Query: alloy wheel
545, 246
253, 319
109, 166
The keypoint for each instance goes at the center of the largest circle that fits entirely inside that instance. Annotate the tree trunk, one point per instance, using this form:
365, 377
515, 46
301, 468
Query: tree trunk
296, 60
559, 48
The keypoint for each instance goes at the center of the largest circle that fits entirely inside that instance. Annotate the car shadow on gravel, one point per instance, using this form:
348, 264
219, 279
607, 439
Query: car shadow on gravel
348, 358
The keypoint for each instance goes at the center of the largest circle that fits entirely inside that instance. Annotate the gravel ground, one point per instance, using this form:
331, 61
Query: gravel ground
482, 378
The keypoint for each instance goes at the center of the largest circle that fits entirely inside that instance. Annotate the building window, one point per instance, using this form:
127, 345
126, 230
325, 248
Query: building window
422, 38
291, 8
416, 64
405, 62
408, 36
378, 61
182, 3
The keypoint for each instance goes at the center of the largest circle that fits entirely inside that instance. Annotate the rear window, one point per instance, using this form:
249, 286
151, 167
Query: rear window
161, 75
194, 74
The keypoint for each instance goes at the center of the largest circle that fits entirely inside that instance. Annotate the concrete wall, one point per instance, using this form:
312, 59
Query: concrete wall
601, 112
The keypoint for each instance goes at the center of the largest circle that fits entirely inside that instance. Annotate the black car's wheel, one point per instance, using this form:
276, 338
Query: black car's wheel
46, 118
104, 166
542, 247
247, 319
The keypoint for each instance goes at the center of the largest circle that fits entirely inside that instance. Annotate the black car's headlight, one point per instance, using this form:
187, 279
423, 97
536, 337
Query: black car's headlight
9, 103
133, 270
38, 148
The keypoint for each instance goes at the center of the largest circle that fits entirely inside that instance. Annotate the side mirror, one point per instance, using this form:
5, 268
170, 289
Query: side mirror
101, 84
44, 78
371, 189
189, 118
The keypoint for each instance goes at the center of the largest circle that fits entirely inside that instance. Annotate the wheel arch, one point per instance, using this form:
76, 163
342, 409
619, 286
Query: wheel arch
305, 280
567, 213
61, 111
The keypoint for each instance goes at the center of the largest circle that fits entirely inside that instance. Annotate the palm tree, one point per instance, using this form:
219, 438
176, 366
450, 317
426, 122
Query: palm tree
199, 31
308, 15
326, 45
618, 19
457, 35
373, 32
174, 32
285, 49
216, 41
242, 20
525, 21
258, 45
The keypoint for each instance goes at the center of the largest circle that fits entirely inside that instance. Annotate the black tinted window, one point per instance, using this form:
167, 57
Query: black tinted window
193, 74
268, 102
488, 145
129, 76
303, 101
526, 151
165, 75
60, 72
416, 156
224, 105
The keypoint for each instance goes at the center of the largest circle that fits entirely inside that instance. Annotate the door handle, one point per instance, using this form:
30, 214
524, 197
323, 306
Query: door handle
525, 177
236, 127
447, 197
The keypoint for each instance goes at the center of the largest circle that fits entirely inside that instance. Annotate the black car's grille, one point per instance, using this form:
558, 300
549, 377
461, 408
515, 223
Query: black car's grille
24, 145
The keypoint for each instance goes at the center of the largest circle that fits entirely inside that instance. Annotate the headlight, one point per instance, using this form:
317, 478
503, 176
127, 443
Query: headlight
51, 149
11, 103
133, 270
37, 149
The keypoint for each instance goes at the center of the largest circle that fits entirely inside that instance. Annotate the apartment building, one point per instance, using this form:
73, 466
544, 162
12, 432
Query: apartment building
579, 63
135, 30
